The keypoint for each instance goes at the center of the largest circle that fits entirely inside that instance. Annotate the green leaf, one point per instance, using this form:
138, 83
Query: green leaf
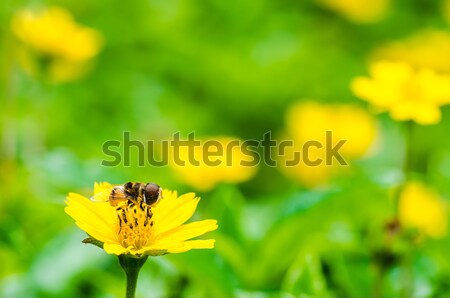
305, 276
93, 241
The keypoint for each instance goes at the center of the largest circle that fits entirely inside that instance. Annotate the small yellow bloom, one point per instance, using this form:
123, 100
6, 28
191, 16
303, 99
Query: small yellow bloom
225, 166
309, 176
422, 208
310, 121
164, 232
407, 93
425, 49
51, 37
359, 11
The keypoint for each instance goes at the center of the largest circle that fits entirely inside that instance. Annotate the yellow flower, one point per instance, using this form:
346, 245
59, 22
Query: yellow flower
407, 93
224, 167
51, 37
164, 232
310, 121
422, 208
309, 176
359, 11
425, 49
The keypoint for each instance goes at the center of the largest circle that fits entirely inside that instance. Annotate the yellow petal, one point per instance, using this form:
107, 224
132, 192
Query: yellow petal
115, 249
173, 211
178, 247
422, 208
362, 87
428, 115
96, 234
102, 187
187, 231
391, 72
96, 219
421, 113
193, 244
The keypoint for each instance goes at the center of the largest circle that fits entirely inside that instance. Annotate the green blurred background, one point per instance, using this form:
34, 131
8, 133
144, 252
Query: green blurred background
217, 68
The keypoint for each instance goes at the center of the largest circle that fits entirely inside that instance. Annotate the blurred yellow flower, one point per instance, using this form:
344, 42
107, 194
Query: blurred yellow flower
407, 94
425, 49
52, 40
422, 208
164, 232
224, 167
309, 121
359, 11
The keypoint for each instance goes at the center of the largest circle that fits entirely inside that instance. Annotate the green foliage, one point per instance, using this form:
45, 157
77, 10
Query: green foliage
213, 67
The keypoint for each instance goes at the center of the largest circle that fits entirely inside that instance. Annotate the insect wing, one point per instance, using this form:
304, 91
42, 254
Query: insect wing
100, 197
116, 193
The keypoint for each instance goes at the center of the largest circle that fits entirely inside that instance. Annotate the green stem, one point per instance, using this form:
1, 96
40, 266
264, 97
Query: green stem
378, 283
408, 168
408, 164
407, 278
131, 266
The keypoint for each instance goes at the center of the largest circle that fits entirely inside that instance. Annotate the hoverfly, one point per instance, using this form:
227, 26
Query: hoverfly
132, 192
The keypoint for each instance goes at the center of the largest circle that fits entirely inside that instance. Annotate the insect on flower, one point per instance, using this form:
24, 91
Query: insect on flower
140, 219
131, 192
129, 197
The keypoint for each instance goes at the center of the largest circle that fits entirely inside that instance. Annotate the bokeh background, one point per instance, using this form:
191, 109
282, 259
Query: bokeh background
75, 74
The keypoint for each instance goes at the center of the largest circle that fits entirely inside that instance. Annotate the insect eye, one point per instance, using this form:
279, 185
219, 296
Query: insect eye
152, 192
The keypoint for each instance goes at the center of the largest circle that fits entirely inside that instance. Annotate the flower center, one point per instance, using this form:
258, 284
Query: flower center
413, 92
135, 224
